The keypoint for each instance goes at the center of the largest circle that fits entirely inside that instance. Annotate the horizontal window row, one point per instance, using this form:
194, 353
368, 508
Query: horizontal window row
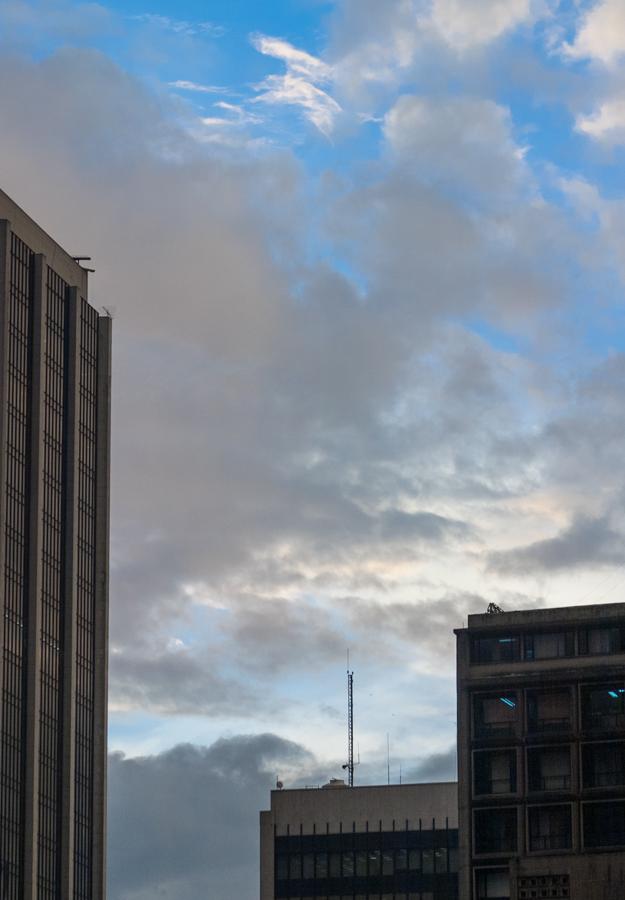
549, 828
365, 863
412, 895
559, 710
408, 834
549, 768
596, 641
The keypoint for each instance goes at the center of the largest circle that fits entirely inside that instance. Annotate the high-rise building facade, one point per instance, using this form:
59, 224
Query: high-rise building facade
54, 522
541, 754
385, 842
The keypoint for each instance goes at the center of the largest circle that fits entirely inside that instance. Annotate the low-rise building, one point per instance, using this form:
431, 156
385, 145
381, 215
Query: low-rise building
391, 842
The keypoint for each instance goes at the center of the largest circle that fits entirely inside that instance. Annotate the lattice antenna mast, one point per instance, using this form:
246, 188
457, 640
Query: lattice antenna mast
350, 727
350, 764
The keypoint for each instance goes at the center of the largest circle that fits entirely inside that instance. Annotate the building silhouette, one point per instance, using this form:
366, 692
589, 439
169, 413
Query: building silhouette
541, 754
54, 499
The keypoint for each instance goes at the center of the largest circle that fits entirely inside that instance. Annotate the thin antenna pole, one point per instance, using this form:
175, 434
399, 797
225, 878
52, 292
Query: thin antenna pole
388, 758
350, 726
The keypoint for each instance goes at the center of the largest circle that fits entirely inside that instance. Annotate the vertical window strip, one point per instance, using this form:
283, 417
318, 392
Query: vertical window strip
51, 635
12, 712
85, 656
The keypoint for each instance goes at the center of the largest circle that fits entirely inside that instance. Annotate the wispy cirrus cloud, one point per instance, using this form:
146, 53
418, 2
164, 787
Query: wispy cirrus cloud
181, 26
194, 87
300, 85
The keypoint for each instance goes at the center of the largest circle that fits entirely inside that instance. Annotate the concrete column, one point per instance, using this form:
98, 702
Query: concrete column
103, 429
35, 526
465, 823
70, 550
267, 856
5, 258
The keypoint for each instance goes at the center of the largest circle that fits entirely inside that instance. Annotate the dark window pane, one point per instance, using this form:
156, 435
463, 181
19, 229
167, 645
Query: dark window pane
488, 650
602, 641
549, 646
493, 885
549, 712
495, 772
374, 862
604, 824
496, 830
550, 828
282, 867
308, 869
603, 765
335, 865
495, 716
603, 708
549, 768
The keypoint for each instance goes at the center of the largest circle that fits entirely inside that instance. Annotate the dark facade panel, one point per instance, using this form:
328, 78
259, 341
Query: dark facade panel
54, 397
368, 864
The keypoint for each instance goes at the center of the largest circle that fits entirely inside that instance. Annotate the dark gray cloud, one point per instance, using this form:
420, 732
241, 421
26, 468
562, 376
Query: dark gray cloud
585, 543
183, 825
437, 767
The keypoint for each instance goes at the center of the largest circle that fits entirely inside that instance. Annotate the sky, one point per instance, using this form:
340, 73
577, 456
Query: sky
366, 268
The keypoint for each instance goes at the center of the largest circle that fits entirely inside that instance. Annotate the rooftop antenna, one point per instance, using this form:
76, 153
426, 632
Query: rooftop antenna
350, 725
388, 758
82, 259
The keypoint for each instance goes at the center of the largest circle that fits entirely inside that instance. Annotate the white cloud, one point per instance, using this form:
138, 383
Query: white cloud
299, 86
236, 116
601, 35
319, 108
465, 24
299, 62
606, 124
197, 88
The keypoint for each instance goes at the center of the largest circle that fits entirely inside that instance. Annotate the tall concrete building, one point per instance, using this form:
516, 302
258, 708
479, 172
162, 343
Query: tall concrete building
541, 753
395, 842
54, 500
